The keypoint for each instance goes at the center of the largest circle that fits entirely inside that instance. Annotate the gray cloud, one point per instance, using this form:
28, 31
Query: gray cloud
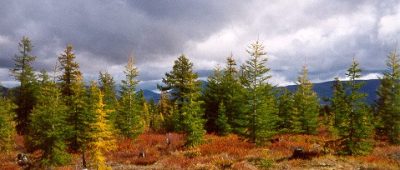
104, 33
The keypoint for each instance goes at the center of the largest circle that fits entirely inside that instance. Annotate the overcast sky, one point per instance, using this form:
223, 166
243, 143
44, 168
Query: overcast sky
325, 34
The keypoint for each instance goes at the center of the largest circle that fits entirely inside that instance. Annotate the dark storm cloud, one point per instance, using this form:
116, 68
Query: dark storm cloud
104, 33
113, 29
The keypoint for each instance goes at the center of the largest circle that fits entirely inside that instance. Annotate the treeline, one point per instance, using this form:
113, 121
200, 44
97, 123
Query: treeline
59, 115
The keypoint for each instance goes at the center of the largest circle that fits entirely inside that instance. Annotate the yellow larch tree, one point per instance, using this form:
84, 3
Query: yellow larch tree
101, 134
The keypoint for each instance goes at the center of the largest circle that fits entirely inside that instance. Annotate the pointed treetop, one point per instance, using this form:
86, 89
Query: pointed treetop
354, 71
231, 64
303, 79
256, 49
393, 65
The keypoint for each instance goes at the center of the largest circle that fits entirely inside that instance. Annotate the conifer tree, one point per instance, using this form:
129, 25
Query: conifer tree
156, 118
101, 136
388, 104
7, 124
70, 73
25, 93
146, 116
340, 108
107, 87
193, 122
356, 127
213, 96
185, 90
183, 84
72, 88
80, 107
143, 108
260, 97
307, 104
48, 127
129, 110
223, 126
164, 108
233, 97
288, 114
224, 86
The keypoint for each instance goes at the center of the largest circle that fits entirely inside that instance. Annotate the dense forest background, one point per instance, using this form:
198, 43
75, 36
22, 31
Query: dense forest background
60, 115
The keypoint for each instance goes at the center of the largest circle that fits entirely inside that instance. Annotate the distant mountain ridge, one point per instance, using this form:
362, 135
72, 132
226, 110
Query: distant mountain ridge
3, 90
323, 90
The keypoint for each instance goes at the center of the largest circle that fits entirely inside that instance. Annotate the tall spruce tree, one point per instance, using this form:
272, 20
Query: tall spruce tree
128, 112
339, 107
181, 80
48, 127
224, 86
213, 96
388, 104
182, 83
107, 87
72, 92
25, 93
356, 127
70, 72
82, 116
307, 104
185, 92
260, 98
234, 94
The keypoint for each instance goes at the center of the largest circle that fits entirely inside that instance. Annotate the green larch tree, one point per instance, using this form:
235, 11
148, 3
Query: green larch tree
156, 118
164, 108
233, 97
129, 123
288, 114
80, 108
143, 110
306, 104
70, 71
182, 82
224, 86
72, 88
48, 126
260, 98
356, 126
185, 92
193, 122
223, 127
340, 108
388, 104
107, 87
25, 93
212, 97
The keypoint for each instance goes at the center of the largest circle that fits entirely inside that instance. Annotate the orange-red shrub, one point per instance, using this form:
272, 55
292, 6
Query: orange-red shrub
230, 144
153, 145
